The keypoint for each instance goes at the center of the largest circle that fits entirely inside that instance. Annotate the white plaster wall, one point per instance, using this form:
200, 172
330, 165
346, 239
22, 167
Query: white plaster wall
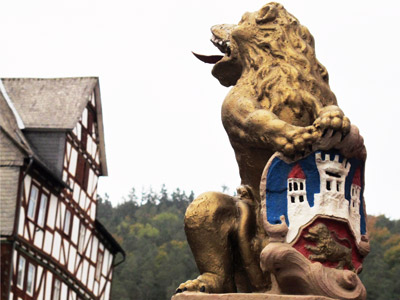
71, 260
73, 162
39, 271
51, 216
27, 186
64, 291
49, 285
85, 271
95, 249
91, 277
38, 241
75, 230
105, 262
21, 221
56, 246
48, 241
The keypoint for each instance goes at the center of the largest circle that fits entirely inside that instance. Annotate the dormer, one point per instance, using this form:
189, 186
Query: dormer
50, 108
62, 121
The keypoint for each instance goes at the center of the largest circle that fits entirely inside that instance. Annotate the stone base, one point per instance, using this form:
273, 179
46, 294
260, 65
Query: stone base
241, 296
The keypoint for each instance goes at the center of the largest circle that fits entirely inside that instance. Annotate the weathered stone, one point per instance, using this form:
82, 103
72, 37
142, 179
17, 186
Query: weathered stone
243, 296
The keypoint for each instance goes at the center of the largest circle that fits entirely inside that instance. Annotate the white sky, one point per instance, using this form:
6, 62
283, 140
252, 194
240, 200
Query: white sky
161, 106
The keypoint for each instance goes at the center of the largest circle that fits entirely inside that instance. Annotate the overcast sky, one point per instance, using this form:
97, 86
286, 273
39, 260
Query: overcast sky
161, 106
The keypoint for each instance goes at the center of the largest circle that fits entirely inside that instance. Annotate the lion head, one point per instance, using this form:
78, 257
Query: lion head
274, 54
318, 232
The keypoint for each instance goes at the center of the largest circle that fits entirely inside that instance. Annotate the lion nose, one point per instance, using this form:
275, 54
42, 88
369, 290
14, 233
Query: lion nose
222, 31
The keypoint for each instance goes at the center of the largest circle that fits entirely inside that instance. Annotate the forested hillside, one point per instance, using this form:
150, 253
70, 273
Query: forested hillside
158, 258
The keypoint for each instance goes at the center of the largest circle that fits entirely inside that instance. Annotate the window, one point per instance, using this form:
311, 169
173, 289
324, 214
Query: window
42, 210
67, 222
81, 241
30, 279
82, 171
56, 289
21, 272
297, 192
32, 202
328, 185
98, 266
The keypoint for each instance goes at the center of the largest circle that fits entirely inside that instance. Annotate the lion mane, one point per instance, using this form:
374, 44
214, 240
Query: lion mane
281, 53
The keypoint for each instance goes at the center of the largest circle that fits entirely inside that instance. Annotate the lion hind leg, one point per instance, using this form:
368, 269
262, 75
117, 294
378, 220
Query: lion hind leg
205, 282
209, 222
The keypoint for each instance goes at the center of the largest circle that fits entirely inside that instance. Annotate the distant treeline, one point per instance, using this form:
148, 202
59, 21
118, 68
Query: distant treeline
158, 258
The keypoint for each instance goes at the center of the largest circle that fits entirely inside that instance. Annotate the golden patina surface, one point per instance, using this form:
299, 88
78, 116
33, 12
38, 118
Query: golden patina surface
280, 101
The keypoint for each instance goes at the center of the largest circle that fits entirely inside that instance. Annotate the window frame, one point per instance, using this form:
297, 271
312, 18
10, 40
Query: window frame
32, 216
37, 207
99, 265
56, 289
296, 190
42, 212
81, 239
67, 212
21, 271
30, 278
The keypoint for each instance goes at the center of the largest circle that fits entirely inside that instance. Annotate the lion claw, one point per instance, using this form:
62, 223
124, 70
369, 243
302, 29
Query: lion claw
206, 282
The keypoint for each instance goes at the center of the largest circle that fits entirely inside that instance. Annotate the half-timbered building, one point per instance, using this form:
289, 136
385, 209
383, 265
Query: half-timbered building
51, 155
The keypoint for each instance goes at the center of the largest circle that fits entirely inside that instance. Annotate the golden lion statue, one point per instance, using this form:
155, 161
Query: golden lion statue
280, 101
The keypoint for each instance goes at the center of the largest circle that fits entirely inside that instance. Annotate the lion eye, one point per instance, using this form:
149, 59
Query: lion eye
245, 17
266, 14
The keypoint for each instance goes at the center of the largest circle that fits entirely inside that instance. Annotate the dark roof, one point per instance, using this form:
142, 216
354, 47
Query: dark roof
9, 125
13, 148
54, 103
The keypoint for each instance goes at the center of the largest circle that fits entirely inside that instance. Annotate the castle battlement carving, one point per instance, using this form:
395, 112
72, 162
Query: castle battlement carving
330, 200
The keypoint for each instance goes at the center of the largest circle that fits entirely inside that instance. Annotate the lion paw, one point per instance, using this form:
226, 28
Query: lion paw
331, 127
206, 283
332, 117
297, 142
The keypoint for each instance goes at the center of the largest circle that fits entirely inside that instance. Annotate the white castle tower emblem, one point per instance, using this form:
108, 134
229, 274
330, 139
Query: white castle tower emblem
330, 201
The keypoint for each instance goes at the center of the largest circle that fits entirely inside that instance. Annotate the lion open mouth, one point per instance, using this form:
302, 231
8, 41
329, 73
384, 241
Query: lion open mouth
222, 45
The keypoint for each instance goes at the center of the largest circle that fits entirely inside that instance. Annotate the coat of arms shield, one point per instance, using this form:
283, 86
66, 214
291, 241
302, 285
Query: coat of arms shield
321, 199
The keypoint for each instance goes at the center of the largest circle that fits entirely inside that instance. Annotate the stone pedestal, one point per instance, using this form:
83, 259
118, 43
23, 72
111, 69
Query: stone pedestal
241, 296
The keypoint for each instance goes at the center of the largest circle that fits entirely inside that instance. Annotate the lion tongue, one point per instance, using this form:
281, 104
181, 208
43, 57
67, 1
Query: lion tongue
209, 59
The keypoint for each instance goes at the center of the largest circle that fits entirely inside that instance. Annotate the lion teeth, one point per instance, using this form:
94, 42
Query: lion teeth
222, 45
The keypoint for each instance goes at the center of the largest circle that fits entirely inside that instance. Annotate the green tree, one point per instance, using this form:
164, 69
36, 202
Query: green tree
151, 232
158, 258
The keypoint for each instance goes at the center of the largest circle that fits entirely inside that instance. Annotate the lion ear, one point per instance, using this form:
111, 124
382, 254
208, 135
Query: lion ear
267, 13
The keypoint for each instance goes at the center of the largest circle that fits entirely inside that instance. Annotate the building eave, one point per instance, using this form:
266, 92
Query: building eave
110, 239
99, 113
